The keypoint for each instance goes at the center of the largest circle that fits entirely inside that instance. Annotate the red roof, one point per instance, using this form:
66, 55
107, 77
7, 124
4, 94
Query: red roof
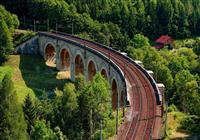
159, 46
164, 39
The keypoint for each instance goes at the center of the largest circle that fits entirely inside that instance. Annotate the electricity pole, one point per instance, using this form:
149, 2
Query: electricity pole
56, 27
101, 136
166, 118
117, 115
72, 27
34, 25
47, 25
109, 56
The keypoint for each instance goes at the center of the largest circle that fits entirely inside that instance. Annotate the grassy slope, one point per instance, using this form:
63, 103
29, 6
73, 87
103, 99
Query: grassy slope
31, 75
174, 130
3, 71
173, 123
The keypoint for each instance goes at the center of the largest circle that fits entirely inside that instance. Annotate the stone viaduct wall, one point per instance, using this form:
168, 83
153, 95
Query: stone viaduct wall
87, 55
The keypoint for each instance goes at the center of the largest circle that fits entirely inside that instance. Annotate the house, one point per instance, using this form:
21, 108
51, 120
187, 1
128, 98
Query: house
164, 41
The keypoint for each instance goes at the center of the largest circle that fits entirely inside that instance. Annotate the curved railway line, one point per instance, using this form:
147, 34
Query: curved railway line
142, 96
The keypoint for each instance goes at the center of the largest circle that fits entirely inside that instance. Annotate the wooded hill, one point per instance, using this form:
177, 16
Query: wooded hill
119, 19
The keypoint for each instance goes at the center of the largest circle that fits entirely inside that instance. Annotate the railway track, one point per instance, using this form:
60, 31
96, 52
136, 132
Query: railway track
141, 93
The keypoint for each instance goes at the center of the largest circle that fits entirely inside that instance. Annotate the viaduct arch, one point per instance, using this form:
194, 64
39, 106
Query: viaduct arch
104, 73
65, 59
50, 51
79, 66
78, 60
91, 70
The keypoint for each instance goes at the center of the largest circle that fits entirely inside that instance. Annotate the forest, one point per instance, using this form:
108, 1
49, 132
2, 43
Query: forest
130, 26
118, 19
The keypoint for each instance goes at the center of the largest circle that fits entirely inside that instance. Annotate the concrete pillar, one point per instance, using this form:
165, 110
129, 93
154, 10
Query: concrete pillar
139, 62
85, 69
72, 72
58, 61
151, 73
161, 88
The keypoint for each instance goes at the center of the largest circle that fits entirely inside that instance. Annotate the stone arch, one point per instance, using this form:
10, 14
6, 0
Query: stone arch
79, 65
65, 59
114, 94
91, 70
104, 73
49, 51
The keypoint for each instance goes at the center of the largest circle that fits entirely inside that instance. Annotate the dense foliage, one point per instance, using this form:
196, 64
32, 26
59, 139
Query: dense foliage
152, 17
8, 23
82, 109
177, 69
74, 113
29, 113
179, 18
11, 20
12, 123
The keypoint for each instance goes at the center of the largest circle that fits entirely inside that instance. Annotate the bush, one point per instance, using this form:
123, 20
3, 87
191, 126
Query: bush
191, 123
172, 108
22, 37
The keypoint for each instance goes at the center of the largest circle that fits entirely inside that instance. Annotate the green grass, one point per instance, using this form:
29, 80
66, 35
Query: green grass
31, 75
4, 70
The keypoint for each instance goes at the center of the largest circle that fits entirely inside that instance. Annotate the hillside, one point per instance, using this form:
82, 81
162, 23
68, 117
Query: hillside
30, 75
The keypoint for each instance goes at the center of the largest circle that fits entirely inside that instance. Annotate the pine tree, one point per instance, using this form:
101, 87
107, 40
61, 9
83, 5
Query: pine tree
4, 132
29, 112
12, 123
141, 19
164, 10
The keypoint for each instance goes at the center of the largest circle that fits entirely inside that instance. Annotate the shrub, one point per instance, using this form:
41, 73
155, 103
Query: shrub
172, 108
191, 123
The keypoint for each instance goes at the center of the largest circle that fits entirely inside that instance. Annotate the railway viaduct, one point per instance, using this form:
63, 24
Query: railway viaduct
79, 59
128, 80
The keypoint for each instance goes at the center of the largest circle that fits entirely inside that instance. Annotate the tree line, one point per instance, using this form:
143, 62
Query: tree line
178, 70
111, 22
179, 18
